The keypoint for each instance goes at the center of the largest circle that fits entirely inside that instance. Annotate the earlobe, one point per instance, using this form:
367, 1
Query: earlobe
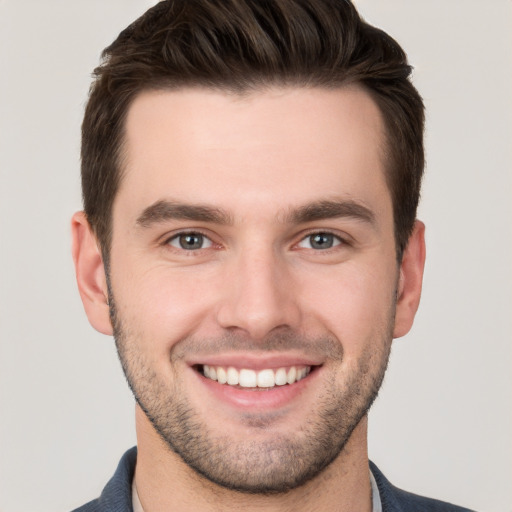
410, 281
90, 273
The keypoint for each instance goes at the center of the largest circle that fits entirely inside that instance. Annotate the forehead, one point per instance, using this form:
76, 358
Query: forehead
269, 148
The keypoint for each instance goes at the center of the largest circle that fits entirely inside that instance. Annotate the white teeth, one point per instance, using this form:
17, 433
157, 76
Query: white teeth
281, 377
266, 379
246, 378
222, 376
232, 376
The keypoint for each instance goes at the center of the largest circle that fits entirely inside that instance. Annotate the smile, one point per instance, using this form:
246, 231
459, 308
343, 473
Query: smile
246, 378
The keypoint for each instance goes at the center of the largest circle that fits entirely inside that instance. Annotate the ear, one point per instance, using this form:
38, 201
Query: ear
90, 273
410, 281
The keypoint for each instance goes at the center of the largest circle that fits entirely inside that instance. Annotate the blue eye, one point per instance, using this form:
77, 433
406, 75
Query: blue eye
320, 241
190, 241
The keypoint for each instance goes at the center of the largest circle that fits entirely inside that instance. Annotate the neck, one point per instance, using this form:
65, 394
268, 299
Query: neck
165, 482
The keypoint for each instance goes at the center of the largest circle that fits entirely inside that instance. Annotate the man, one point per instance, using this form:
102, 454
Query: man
251, 172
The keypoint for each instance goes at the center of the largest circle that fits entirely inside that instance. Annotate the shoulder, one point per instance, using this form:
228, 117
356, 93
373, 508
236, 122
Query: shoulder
117, 494
396, 500
92, 506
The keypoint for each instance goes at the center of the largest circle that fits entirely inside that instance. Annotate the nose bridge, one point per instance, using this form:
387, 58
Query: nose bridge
259, 293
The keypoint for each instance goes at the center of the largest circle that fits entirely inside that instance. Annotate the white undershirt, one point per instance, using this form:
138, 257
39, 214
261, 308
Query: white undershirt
136, 504
376, 503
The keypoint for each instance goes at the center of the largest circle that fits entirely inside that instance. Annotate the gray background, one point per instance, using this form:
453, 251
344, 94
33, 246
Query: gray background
442, 425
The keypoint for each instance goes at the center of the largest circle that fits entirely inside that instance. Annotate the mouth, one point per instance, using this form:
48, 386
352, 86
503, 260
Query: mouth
250, 384
246, 378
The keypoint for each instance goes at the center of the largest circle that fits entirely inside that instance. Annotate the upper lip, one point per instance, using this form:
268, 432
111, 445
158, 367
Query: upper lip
254, 361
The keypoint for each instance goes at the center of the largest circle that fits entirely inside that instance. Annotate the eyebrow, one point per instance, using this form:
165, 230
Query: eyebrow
163, 210
328, 209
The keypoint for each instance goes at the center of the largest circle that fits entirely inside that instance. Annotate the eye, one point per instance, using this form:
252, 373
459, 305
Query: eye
190, 241
320, 241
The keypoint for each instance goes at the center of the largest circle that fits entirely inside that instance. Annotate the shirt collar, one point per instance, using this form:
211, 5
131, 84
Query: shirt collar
376, 502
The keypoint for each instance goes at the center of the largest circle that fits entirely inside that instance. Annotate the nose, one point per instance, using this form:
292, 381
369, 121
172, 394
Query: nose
259, 295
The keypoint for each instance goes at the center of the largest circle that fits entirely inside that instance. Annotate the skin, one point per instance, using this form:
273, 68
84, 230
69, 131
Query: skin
257, 294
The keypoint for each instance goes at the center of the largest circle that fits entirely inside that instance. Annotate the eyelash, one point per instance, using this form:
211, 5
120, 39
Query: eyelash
338, 241
177, 236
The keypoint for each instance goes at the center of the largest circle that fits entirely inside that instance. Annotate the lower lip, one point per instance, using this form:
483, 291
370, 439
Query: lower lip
258, 398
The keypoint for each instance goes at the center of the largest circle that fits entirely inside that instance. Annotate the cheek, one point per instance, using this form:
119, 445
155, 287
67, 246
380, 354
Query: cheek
164, 305
354, 303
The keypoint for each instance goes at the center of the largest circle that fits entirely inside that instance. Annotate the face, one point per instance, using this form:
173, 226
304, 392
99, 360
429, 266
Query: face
253, 276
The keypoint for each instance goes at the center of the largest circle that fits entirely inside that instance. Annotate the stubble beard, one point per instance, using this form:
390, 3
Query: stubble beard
280, 463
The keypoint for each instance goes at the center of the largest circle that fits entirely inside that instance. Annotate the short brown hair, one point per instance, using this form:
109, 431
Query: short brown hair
243, 45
